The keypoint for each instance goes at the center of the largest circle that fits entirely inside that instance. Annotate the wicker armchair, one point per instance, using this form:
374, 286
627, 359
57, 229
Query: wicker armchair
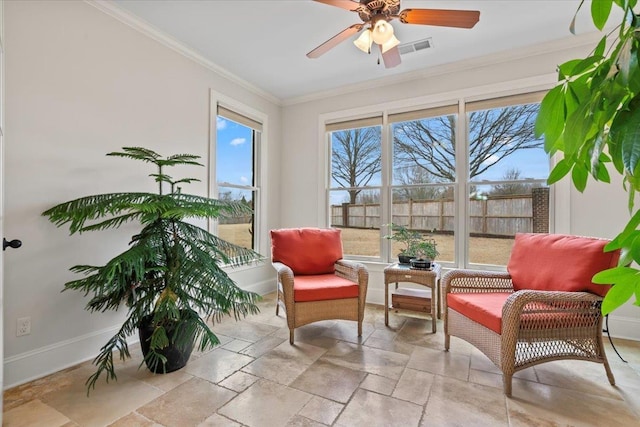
313, 281
543, 308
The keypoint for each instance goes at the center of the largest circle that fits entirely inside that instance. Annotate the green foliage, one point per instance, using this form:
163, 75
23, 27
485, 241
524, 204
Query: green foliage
415, 243
172, 269
592, 117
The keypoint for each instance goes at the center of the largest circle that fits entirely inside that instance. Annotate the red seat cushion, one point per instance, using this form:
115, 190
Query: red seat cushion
323, 287
307, 250
558, 262
484, 308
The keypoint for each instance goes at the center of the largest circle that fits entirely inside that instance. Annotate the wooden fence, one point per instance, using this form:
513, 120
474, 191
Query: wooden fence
495, 216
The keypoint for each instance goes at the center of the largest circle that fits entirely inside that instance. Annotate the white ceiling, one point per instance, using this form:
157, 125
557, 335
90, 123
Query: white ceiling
264, 42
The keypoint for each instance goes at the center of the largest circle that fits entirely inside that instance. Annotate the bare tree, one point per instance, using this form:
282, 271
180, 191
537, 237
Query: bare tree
412, 175
493, 135
512, 174
355, 158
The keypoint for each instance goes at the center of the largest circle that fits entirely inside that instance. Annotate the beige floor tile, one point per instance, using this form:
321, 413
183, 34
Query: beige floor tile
371, 409
106, 403
33, 414
164, 382
379, 384
541, 403
284, 363
414, 386
217, 365
345, 330
367, 359
458, 403
440, 362
481, 362
266, 403
263, 346
587, 377
239, 381
300, 421
321, 410
188, 404
328, 380
216, 420
393, 346
236, 345
381, 377
244, 330
134, 420
24, 393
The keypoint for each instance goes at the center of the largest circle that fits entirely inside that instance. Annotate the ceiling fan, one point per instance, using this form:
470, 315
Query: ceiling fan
376, 14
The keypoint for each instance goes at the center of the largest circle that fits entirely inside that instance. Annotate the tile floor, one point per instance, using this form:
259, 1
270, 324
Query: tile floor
391, 376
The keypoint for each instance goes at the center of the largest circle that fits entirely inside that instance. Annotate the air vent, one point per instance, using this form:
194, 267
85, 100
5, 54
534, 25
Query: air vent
416, 46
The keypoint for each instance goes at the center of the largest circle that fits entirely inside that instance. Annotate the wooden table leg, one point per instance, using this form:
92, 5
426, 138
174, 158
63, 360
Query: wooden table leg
386, 302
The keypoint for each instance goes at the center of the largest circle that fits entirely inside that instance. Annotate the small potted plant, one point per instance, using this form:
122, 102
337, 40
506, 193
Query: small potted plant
170, 278
416, 246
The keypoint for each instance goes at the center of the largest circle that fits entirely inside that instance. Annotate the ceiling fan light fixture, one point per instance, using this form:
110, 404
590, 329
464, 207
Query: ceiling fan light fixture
365, 41
393, 42
382, 32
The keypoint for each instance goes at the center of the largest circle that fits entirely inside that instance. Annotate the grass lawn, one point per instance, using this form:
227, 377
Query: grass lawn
482, 250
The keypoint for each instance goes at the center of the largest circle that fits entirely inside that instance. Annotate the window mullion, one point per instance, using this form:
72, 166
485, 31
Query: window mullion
385, 191
462, 189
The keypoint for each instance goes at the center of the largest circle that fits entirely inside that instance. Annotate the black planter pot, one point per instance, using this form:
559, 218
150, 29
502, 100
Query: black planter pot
177, 356
404, 259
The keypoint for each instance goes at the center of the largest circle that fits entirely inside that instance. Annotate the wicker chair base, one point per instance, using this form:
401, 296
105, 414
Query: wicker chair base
531, 348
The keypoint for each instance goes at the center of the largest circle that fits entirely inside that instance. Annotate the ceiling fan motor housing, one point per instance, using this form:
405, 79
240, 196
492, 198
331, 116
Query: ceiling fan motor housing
373, 8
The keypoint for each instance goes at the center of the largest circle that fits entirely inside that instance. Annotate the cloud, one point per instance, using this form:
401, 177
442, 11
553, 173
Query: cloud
244, 179
491, 160
221, 123
238, 141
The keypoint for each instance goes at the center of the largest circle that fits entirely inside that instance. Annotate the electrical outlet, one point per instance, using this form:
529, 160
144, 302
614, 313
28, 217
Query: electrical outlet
23, 326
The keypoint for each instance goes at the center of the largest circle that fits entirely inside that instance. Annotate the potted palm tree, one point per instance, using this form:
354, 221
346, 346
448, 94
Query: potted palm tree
170, 278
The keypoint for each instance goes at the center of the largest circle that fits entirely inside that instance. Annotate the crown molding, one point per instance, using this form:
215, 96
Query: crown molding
158, 35
572, 42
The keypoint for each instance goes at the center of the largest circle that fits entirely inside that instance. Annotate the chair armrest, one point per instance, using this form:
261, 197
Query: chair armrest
284, 276
455, 281
531, 303
354, 271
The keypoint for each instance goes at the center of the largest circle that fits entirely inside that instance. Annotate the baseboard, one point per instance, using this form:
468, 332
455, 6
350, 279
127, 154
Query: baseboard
624, 327
34, 364
43, 361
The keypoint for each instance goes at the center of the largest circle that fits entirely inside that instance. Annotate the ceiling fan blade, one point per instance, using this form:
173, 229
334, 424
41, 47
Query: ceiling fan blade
335, 40
391, 58
343, 4
440, 17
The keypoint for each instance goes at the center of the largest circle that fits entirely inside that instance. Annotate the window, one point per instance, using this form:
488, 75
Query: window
469, 183
355, 181
237, 148
507, 175
424, 174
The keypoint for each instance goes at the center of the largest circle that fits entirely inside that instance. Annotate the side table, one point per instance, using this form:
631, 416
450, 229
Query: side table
396, 273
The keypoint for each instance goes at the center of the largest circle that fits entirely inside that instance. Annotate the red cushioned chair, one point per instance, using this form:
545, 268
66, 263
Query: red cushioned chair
314, 282
544, 307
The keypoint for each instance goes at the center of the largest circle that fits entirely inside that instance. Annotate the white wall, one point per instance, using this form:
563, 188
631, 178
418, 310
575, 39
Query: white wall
601, 211
80, 84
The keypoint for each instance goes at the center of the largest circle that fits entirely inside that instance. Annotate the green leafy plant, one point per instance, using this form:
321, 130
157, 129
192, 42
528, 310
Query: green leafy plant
592, 117
416, 245
171, 274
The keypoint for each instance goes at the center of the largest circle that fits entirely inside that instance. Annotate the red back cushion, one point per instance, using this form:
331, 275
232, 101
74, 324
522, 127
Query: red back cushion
307, 250
558, 262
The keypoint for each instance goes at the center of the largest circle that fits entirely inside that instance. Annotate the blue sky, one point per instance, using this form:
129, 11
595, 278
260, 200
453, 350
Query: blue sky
234, 153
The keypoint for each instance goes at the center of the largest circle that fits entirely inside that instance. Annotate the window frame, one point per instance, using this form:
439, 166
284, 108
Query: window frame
461, 184
259, 184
